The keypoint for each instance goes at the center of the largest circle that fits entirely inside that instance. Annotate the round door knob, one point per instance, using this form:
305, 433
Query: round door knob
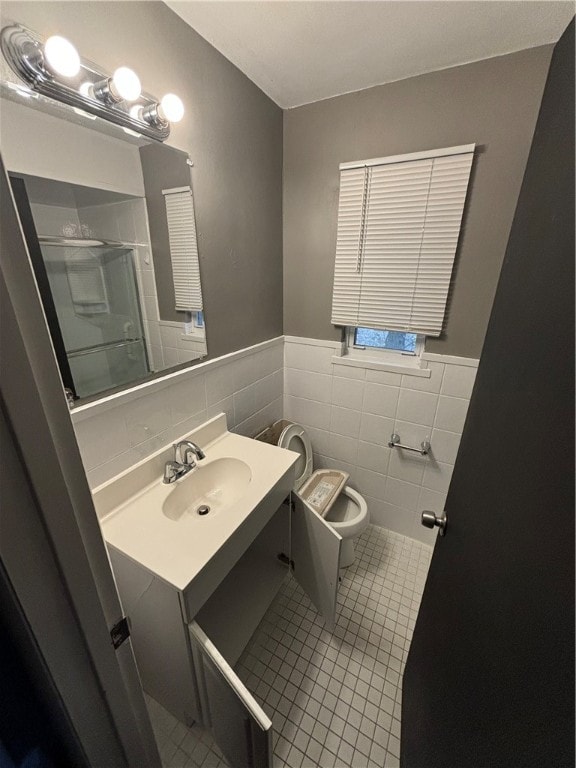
431, 519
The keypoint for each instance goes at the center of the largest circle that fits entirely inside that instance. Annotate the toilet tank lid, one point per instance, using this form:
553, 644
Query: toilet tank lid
322, 489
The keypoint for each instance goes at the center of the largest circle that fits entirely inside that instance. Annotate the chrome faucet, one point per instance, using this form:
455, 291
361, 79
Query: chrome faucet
190, 448
182, 462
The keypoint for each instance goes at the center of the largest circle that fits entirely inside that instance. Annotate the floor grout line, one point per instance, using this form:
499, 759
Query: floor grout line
334, 698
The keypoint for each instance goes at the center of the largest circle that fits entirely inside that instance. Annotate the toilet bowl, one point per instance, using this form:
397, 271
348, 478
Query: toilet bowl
349, 517
349, 514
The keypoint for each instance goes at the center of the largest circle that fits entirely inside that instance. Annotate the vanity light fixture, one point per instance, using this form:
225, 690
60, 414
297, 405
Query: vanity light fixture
22, 90
55, 69
84, 114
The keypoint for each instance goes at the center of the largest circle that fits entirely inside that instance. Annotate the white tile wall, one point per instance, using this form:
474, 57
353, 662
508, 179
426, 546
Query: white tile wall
177, 346
351, 412
247, 386
123, 220
56, 220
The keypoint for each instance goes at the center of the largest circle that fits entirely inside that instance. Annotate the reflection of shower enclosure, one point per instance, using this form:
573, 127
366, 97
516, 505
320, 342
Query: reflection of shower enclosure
95, 294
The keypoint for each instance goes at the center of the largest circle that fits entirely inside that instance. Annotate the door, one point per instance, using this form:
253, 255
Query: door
315, 558
239, 725
51, 547
489, 676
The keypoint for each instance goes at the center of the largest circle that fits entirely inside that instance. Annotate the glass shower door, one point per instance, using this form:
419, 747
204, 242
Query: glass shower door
95, 295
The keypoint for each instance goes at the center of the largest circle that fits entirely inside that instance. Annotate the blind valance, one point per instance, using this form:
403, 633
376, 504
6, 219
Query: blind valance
183, 248
398, 228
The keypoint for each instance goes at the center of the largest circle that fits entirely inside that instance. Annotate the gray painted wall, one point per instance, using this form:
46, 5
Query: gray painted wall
493, 103
233, 133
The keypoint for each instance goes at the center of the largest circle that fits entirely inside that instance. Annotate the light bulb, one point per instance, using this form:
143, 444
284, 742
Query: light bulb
61, 56
171, 108
136, 112
87, 89
126, 84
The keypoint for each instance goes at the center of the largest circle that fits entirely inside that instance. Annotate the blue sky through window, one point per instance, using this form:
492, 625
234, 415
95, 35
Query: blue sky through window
400, 341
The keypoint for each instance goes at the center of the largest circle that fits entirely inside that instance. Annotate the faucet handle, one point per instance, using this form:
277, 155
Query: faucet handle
172, 471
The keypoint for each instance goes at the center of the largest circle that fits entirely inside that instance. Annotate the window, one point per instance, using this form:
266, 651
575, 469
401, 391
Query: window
398, 228
398, 341
384, 345
194, 324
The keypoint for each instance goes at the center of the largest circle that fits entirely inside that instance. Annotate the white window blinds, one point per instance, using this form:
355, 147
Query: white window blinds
183, 248
398, 227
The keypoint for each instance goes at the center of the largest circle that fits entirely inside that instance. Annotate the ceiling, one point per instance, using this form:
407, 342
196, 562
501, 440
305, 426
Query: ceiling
301, 51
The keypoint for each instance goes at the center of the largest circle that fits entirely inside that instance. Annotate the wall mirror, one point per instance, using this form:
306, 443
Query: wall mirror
110, 228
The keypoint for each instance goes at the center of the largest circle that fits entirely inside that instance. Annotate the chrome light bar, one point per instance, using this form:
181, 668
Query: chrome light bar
88, 90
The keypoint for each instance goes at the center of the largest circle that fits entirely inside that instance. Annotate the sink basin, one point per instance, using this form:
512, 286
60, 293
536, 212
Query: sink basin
215, 484
157, 525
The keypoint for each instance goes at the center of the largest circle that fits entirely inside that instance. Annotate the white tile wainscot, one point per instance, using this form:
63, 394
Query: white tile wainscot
122, 429
351, 411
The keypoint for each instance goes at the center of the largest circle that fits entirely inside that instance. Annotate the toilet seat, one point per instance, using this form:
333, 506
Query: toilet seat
295, 438
348, 514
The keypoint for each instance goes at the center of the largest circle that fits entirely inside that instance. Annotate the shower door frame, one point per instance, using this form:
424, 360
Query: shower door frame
33, 241
31, 237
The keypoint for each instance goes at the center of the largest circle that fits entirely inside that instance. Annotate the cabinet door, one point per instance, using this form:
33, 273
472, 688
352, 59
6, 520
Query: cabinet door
239, 725
315, 554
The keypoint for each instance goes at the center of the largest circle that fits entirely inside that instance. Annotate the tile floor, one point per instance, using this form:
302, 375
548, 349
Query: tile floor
334, 698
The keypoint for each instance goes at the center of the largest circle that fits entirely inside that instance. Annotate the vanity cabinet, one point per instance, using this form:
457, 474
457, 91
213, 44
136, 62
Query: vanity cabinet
195, 589
159, 637
186, 661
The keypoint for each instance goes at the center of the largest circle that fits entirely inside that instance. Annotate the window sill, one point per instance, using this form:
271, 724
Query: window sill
379, 365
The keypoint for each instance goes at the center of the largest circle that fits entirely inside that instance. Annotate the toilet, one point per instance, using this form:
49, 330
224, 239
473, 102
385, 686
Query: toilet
348, 514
